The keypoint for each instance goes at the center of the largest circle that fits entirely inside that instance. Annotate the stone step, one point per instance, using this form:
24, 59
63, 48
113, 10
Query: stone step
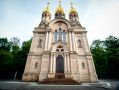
62, 81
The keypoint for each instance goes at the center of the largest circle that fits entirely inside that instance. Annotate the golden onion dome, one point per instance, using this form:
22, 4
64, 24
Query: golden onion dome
72, 10
47, 9
59, 9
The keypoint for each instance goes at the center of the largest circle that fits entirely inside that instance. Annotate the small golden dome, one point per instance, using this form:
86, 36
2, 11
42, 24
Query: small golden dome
47, 9
73, 10
60, 9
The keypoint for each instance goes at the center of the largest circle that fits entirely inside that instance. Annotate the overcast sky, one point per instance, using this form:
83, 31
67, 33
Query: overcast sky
19, 17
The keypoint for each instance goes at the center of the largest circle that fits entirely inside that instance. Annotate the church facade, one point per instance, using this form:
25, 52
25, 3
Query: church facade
60, 49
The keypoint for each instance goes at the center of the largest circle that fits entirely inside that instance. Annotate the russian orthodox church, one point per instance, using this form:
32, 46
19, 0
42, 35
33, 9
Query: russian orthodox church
60, 49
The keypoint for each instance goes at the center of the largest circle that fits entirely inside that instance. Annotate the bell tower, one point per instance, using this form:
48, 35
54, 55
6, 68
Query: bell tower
46, 16
73, 16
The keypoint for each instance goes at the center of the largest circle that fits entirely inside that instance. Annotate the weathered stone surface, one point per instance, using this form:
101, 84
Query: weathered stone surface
60, 46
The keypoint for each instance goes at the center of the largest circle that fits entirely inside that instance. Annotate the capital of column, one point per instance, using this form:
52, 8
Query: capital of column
48, 29
71, 29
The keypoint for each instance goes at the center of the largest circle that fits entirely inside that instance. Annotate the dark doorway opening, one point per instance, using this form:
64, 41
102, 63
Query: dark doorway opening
59, 67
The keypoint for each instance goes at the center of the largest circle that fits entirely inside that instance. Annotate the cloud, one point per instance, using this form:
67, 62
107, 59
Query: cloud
100, 18
18, 17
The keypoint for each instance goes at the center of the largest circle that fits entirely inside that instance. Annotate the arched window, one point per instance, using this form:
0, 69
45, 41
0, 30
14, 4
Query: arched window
79, 43
60, 35
62, 50
36, 65
40, 43
64, 36
57, 50
56, 35
83, 65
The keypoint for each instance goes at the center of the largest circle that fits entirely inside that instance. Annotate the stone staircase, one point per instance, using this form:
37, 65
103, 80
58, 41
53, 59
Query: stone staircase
59, 81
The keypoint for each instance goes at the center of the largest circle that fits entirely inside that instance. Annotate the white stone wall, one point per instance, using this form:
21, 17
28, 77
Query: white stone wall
44, 67
78, 62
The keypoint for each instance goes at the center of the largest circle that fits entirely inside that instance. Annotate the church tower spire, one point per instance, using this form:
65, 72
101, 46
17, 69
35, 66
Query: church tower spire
46, 16
59, 11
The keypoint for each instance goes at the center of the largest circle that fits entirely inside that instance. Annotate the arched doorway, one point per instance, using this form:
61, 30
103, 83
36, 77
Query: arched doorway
59, 67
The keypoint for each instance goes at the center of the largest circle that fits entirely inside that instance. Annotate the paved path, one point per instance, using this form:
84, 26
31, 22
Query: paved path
17, 85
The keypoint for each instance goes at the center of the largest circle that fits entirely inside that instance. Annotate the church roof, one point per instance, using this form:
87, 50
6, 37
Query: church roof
60, 8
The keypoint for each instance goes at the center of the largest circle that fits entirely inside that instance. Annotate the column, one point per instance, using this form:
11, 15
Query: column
70, 41
73, 36
53, 37
68, 64
54, 64
49, 41
62, 36
76, 44
65, 63
66, 37
46, 40
51, 64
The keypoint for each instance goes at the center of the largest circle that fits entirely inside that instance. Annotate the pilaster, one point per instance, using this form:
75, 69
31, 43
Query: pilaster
46, 41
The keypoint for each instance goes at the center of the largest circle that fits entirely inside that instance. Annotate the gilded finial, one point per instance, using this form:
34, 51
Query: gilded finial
72, 8
48, 4
47, 9
59, 2
59, 8
71, 5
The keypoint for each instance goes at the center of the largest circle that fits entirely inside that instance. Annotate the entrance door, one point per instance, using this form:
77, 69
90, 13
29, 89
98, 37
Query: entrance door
59, 67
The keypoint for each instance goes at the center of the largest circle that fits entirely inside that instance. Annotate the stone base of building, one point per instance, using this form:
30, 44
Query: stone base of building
30, 77
51, 75
63, 81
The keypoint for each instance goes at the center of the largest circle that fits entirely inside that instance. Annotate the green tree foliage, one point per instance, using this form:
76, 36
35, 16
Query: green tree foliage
21, 57
106, 57
12, 57
6, 58
99, 56
5, 44
112, 48
15, 42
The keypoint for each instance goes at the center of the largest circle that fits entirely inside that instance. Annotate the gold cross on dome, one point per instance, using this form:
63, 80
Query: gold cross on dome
48, 4
59, 2
71, 5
